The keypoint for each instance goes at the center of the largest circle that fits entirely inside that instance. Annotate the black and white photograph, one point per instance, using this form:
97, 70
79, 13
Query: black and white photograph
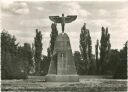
64, 45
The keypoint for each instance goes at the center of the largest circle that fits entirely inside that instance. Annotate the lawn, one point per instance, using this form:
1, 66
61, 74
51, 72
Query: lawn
85, 84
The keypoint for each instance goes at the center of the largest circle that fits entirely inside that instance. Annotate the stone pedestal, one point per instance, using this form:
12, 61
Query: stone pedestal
62, 78
62, 66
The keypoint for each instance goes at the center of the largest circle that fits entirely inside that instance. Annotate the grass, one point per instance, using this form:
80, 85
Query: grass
85, 84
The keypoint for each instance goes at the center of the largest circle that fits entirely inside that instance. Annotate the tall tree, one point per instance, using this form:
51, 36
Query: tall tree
90, 62
89, 46
53, 35
104, 50
96, 55
38, 51
85, 47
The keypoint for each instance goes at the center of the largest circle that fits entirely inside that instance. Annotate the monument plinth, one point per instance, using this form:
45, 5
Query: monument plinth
62, 66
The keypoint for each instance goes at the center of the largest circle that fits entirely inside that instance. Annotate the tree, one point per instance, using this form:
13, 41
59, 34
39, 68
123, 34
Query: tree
121, 69
96, 55
10, 61
44, 65
77, 59
104, 50
85, 47
27, 56
114, 61
48, 54
38, 51
80, 68
32, 71
48, 58
53, 35
89, 41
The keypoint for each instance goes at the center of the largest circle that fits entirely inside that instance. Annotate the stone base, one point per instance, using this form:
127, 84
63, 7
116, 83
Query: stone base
62, 78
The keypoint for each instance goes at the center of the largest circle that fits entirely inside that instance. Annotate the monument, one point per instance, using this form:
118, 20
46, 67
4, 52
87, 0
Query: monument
62, 66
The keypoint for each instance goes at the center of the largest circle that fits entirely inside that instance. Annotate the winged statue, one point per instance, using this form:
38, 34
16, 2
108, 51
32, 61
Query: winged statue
63, 20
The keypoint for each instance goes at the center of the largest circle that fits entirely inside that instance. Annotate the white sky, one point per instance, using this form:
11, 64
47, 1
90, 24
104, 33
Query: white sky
22, 18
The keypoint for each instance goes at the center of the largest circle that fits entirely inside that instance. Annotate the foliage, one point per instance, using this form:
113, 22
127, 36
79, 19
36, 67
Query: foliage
10, 60
25, 53
121, 69
80, 68
38, 51
44, 65
53, 35
104, 50
86, 48
114, 61
96, 55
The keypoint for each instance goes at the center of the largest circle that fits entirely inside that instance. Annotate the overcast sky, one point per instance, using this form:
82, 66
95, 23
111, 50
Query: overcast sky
22, 18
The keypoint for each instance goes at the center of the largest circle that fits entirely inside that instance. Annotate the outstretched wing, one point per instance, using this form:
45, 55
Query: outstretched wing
55, 19
70, 18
